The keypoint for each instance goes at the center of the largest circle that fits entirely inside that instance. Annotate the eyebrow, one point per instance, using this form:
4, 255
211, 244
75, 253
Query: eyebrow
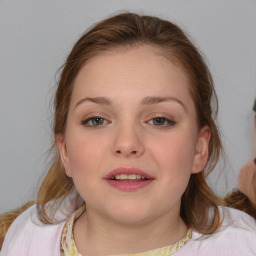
96, 100
155, 100
146, 101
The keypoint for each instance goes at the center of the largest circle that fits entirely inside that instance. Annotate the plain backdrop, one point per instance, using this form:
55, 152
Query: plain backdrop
35, 38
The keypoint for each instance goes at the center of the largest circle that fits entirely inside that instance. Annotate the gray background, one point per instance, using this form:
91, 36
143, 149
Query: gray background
35, 37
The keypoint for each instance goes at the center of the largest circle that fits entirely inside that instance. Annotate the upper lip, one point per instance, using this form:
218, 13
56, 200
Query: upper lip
127, 170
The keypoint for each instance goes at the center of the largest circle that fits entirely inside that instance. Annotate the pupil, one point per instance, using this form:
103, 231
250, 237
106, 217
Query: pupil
97, 121
159, 120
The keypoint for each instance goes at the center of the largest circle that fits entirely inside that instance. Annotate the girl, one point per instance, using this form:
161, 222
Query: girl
136, 137
244, 198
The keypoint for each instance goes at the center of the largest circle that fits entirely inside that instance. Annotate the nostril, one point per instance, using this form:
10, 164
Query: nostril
120, 152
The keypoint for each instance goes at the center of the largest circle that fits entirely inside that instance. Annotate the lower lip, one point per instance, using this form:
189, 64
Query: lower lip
129, 185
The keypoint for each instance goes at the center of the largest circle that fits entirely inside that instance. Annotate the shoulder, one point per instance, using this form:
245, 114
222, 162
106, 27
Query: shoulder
238, 227
238, 230
28, 236
236, 218
236, 236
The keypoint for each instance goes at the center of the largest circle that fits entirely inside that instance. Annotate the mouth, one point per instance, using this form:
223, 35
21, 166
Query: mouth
128, 179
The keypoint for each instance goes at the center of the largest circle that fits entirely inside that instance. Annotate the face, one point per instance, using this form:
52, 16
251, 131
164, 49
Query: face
132, 140
247, 181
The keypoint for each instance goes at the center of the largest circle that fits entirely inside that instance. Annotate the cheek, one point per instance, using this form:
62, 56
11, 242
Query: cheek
174, 156
177, 151
174, 160
84, 152
254, 184
85, 158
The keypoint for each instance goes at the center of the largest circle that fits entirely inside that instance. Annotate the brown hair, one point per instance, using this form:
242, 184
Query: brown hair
240, 201
131, 30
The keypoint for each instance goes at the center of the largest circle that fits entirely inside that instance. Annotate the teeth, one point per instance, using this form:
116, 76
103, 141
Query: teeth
129, 177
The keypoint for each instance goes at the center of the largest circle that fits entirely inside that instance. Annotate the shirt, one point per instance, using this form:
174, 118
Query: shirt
28, 236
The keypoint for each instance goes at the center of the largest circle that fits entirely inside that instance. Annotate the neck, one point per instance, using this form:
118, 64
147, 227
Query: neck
98, 235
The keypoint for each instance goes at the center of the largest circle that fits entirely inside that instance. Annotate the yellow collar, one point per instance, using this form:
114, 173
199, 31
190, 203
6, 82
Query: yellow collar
68, 246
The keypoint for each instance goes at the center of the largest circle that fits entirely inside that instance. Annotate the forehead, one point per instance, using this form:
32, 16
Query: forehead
139, 71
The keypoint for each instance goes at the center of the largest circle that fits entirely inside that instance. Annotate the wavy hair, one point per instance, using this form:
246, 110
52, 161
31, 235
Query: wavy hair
128, 30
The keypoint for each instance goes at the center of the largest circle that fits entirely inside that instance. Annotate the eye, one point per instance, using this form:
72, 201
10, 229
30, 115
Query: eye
94, 121
162, 121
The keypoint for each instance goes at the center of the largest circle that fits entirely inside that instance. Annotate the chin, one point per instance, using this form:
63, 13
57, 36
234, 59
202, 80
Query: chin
130, 215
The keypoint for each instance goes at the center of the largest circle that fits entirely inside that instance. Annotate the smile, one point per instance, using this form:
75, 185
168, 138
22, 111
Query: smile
128, 179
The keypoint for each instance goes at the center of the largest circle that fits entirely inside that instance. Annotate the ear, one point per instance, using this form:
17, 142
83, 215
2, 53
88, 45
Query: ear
201, 154
61, 144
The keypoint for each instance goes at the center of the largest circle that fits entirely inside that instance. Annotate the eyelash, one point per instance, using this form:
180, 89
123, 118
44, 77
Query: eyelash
89, 122
167, 122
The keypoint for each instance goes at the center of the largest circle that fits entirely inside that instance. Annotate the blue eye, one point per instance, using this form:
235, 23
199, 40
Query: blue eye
94, 121
162, 121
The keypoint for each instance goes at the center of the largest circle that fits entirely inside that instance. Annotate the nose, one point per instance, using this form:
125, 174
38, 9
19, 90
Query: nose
128, 142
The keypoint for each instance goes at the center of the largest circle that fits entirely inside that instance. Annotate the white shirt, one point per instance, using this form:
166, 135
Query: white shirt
237, 237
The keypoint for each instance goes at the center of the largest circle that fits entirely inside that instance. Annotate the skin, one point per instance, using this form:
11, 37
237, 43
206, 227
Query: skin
247, 181
247, 175
119, 221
